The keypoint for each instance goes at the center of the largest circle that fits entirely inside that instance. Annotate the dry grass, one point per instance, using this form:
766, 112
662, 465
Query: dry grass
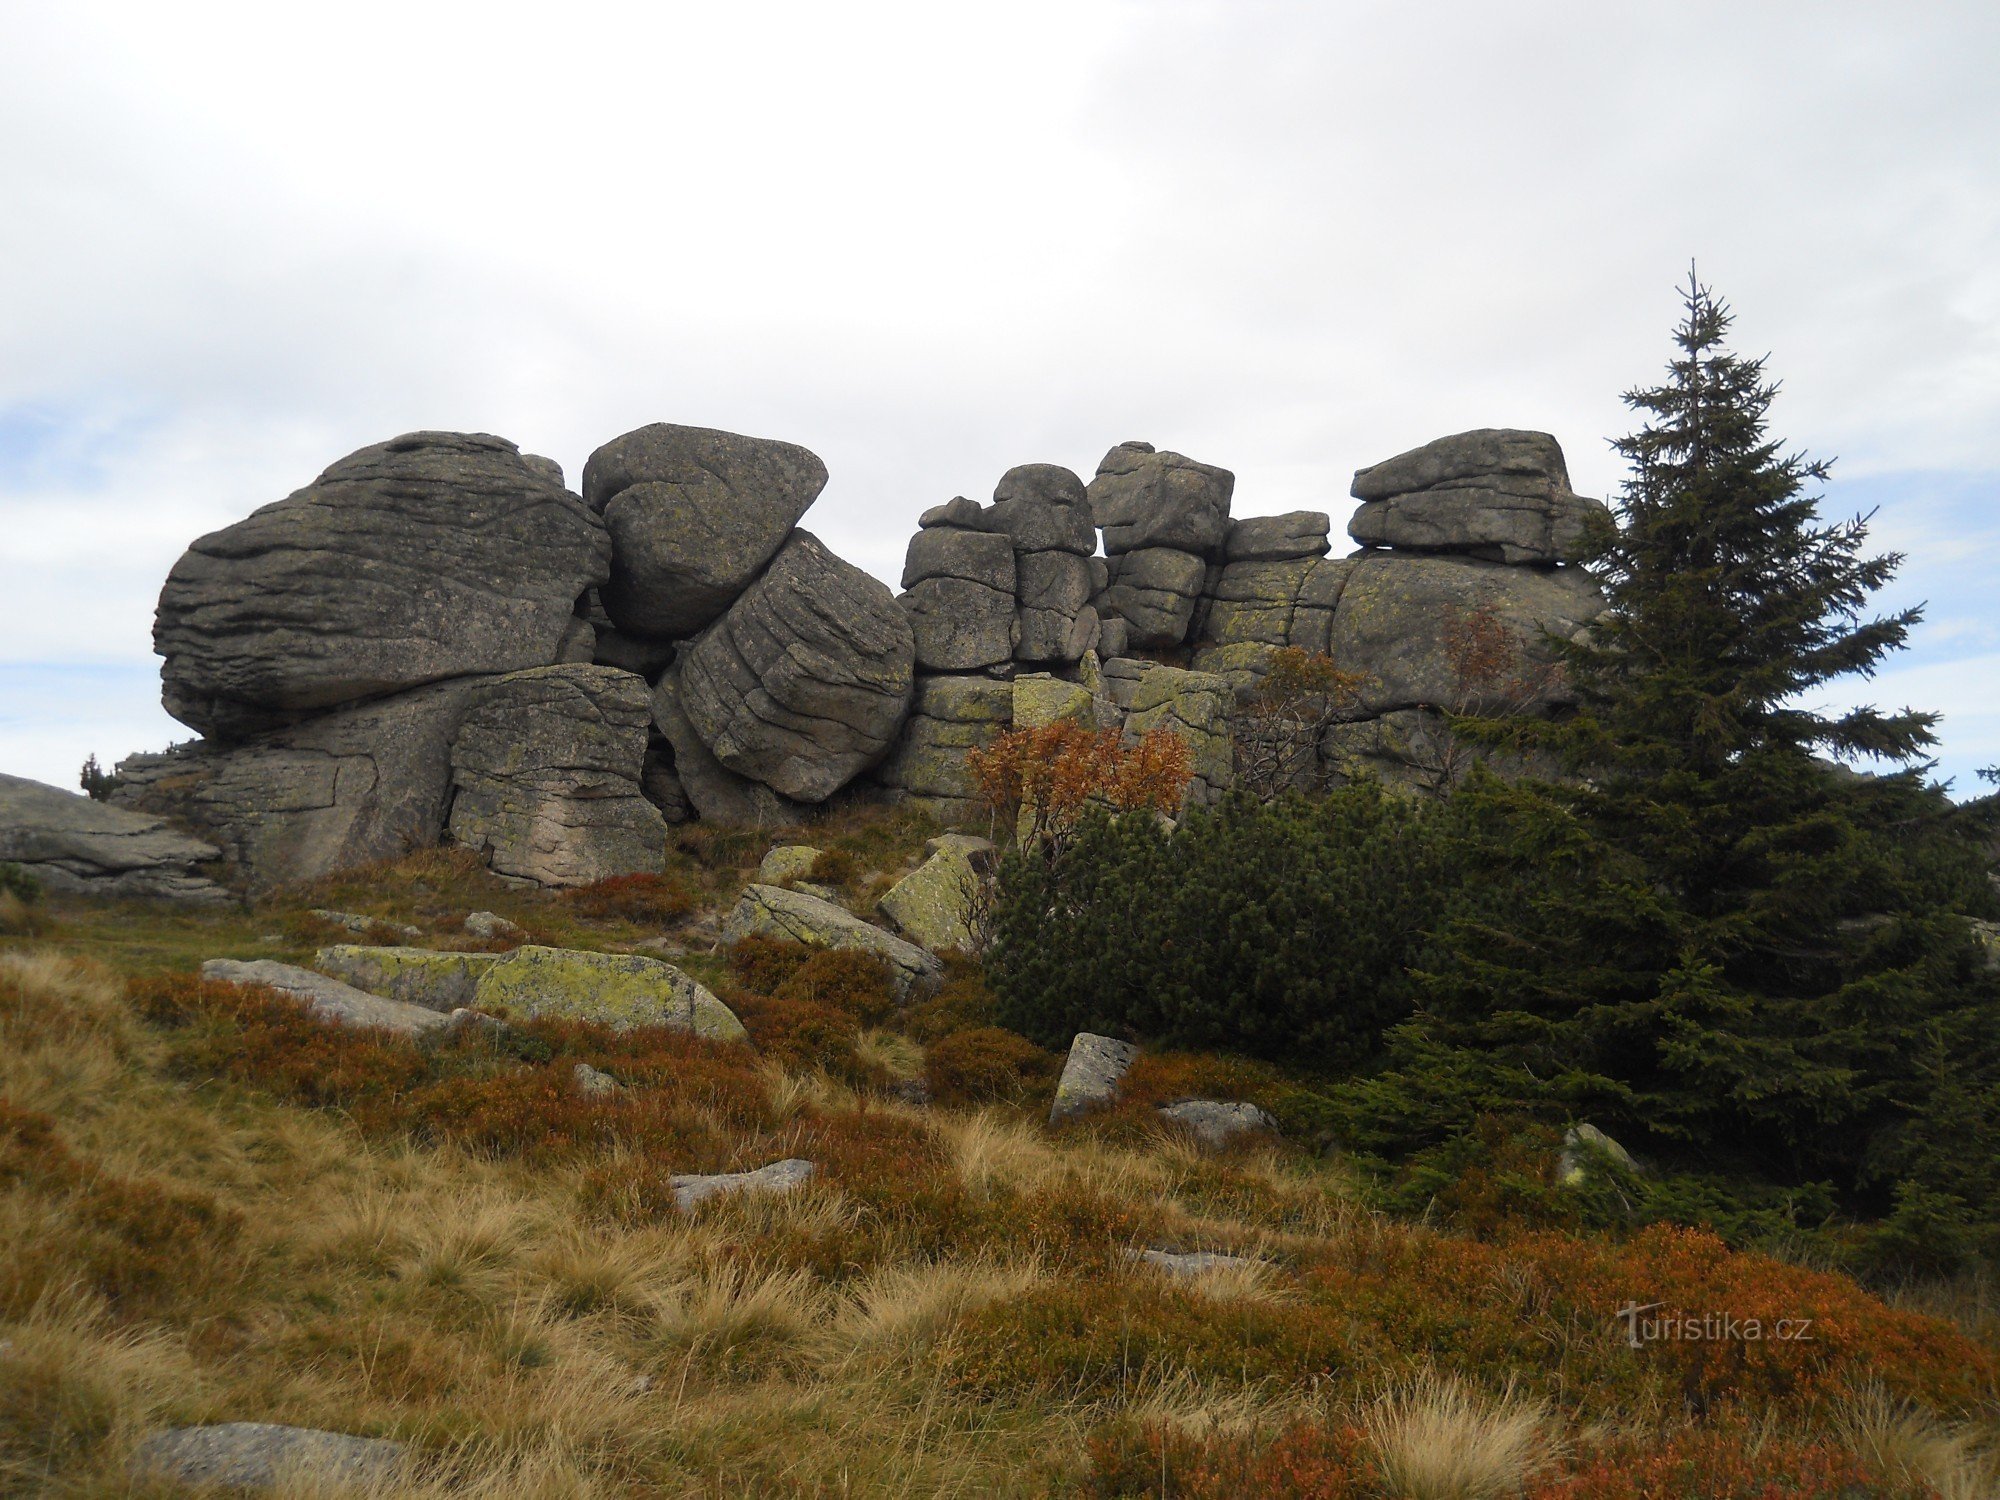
1441, 1440
1954, 1459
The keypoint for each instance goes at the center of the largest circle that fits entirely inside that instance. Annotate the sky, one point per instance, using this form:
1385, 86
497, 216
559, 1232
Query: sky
930, 242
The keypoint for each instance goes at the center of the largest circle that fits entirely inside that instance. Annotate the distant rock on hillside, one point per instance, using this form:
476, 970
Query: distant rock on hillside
76, 846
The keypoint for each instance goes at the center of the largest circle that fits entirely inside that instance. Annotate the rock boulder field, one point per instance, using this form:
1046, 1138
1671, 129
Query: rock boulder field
437, 642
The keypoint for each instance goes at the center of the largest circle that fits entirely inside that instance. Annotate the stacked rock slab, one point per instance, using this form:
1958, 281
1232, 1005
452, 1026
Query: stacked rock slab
959, 580
1276, 587
805, 680
75, 846
1496, 493
1043, 511
948, 717
1165, 519
432, 556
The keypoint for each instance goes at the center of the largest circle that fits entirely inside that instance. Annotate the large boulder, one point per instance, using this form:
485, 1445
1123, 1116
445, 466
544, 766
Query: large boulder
427, 557
1398, 618
547, 766
960, 599
620, 990
716, 793
76, 846
694, 515
806, 679
1495, 493
1154, 590
438, 980
771, 911
1143, 498
948, 716
936, 905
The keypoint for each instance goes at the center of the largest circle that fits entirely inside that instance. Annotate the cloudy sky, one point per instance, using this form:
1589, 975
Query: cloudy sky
932, 241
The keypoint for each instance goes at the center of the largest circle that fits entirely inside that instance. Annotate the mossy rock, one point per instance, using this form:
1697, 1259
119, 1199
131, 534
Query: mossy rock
423, 976
620, 990
932, 906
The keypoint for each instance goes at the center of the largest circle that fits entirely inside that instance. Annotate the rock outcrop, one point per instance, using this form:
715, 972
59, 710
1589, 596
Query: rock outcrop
806, 679
75, 846
1495, 493
960, 595
948, 716
431, 556
694, 515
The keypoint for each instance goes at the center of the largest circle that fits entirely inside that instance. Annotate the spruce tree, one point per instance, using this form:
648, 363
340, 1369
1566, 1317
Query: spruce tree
1711, 935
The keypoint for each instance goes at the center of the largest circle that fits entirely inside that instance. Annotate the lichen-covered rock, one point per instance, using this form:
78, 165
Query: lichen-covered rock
693, 1189
431, 556
1096, 1065
1395, 615
1217, 1122
1495, 493
546, 768
620, 990
327, 999
1194, 705
348, 788
1041, 699
1053, 589
716, 793
1154, 590
935, 905
694, 515
1142, 498
788, 862
430, 977
948, 716
1296, 534
771, 911
960, 626
76, 846
805, 680
1043, 508
263, 1455
1581, 1145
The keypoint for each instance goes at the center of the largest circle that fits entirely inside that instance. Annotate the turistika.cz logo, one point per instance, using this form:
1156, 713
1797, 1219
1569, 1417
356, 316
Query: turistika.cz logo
1706, 1328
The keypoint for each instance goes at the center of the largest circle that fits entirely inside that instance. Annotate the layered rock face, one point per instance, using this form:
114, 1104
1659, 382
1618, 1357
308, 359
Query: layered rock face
1495, 493
431, 556
76, 846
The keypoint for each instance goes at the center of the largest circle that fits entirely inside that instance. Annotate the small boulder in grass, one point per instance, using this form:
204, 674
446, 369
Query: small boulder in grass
1091, 1075
788, 863
492, 928
328, 999
263, 1455
1216, 1122
593, 1083
693, 1189
1190, 1262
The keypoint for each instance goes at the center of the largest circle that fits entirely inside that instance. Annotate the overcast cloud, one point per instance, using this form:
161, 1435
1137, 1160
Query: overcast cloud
930, 242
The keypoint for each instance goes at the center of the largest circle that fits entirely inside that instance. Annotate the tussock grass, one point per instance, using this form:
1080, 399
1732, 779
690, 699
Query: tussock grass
1439, 1439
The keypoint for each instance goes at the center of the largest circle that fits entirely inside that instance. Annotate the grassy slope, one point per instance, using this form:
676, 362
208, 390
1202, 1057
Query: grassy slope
209, 1211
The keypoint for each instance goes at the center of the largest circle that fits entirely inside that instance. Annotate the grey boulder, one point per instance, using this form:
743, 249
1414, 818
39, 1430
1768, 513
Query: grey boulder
1154, 590
1216, 1122
1298, 533
1143, 498
1096, 1065
263, 1455
795, 916
328, 1000
1495, 493
692, 1189
76, 846
948, 716
431, 556
715, 792
806, 679
694, 515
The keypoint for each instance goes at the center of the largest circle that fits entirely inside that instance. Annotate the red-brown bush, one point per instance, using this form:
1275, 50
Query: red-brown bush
987, 1065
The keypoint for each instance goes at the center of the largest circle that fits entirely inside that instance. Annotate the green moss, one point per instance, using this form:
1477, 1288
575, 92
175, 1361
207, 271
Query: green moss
622, 990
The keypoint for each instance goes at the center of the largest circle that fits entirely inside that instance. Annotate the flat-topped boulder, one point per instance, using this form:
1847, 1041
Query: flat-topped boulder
795, 916
1145, 498
76, 846
694, 515
620, 990
1496, 493
431, 556
434, 978
692, 1189
804, 682
1298, 533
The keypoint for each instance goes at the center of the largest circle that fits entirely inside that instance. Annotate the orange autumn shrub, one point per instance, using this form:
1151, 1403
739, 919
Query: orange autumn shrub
987, 1065
632, 898
763, 964
1049, 775
1725, 1463
843, 979
1302, 1462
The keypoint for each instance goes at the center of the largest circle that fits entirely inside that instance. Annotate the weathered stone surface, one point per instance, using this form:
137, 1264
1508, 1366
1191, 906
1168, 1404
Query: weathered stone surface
959, 512
429, 977
1041, 699
349, 788
1114, 637
693, 1189
787, 863
76, 846
1043, 508
592, 1083
770, 911
1154, 590
806, 679
694, 515
960, 626
432, 556
934, 906
975, 556
1194, 705
546, 768
1142, 498
1193, 1262
1393, 618
948, 716
1091, 1075
981, 852
1580, 1144
716, 793
1495, 493
491, 927
1298, 533
262, 1455
1216, 1122
620, 990
1053, 589
327, 999
634, 653
376, 927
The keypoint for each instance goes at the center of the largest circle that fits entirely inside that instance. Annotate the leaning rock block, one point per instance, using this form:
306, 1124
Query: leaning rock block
432, 556
770, 911
329, 1000
1043, 508
546, 767
1142, 498
263, 1455
1154, 590
1495, 493
1216, 1122
805, 681
619, 990
75, 846
716, 793
933, 906
1096, 1065
693, 1189
694, 515
435, 979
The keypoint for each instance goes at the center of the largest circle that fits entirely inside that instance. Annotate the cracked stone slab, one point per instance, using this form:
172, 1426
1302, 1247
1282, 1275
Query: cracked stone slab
328, 999
693, 1189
